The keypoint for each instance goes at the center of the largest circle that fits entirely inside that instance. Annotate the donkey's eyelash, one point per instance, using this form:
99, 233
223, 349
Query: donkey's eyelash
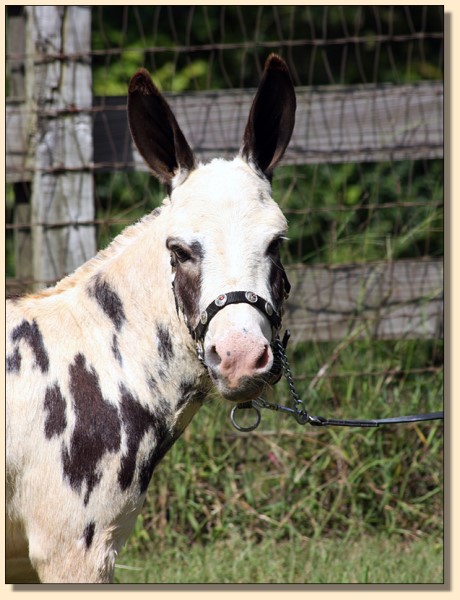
274, 246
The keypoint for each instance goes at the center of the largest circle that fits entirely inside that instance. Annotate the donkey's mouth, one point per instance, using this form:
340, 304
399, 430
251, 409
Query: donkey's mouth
247, 388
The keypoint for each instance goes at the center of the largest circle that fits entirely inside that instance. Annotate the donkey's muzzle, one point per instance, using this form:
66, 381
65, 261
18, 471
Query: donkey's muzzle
239, 363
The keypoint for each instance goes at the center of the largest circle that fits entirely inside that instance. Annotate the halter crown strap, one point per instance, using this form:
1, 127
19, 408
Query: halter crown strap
235, 298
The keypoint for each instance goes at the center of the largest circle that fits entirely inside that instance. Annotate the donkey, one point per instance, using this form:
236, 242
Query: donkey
106, 369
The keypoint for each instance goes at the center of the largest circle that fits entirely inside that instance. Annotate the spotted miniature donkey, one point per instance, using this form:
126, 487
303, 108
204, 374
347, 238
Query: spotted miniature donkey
103, 373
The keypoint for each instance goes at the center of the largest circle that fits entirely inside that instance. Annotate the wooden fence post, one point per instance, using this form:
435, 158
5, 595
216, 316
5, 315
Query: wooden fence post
59, 101
22, 236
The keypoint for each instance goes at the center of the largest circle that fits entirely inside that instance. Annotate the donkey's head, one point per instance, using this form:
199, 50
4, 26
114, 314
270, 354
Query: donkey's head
224, 229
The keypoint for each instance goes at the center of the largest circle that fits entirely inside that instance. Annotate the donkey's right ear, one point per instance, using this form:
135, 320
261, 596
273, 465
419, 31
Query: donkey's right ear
155, 131
271, 120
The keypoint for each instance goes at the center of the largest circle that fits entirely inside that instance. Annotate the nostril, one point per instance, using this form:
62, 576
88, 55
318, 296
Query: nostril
213, 358
263, 359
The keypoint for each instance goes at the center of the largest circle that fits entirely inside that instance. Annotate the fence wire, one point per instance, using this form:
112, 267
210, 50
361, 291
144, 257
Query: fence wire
361, 186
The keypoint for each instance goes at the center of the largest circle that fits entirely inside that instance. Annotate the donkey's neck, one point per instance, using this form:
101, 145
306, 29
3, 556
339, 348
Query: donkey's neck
128, 288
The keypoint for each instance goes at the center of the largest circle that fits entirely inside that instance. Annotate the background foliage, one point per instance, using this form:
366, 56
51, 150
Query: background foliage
287, 483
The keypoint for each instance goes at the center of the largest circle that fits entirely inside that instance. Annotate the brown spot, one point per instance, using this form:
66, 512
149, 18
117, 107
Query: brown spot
108, 300
55, 405
116, 349
151, 462
13, 362
31, 334
187, 281
137, 421
165, 347
96, 432
88, 534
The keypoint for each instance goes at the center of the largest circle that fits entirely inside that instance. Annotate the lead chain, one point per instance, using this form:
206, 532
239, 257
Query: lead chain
301, 414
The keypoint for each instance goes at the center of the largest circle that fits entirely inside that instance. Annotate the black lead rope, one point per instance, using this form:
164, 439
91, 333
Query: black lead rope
376, 422
302, 416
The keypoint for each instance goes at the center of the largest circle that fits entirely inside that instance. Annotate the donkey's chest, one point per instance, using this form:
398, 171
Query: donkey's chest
107, 408
150, 403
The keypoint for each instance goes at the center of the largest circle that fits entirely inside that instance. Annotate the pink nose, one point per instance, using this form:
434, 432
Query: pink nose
237, 355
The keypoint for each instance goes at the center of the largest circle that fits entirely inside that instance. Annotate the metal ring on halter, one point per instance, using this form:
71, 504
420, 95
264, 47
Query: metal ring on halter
245, 406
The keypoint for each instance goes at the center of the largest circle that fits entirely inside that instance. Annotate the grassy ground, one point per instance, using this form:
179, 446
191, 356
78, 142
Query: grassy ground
370, 559
293, 504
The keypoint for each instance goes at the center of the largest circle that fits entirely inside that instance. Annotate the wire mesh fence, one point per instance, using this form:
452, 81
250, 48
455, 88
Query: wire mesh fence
361, 184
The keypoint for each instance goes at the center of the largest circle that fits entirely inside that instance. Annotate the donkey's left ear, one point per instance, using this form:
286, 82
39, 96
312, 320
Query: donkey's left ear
155, 130
271, 120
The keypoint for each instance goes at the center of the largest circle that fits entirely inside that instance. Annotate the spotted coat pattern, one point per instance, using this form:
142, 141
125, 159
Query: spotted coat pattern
102, 372
104, 415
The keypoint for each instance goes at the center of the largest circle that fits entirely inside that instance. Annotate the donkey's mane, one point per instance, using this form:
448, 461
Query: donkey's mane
114, 249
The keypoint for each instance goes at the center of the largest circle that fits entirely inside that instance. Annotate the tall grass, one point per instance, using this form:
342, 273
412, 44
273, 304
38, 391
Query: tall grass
286, 481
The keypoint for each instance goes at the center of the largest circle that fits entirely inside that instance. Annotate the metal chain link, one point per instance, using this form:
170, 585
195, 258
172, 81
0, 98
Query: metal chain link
300, 412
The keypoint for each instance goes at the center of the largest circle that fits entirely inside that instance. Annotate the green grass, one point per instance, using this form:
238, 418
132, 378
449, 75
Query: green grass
286, 476
292, 503
369, 559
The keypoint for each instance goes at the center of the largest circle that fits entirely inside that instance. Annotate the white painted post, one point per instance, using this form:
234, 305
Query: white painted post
59, 97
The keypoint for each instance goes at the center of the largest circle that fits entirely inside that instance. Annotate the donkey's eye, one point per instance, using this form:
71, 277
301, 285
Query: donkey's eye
274, 247
181, 253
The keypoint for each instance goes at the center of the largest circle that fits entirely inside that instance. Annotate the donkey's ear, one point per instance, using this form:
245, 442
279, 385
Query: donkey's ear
155, 131
271, 119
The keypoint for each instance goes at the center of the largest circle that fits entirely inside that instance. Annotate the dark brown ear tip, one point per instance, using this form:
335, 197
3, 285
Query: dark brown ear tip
142, 83
275, 62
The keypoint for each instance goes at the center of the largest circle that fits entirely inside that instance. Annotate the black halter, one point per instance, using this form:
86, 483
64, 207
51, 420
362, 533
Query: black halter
223, 300
235, 298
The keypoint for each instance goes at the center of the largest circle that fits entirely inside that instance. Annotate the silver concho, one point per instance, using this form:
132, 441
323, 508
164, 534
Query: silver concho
251, 297
221, 300
268, 309
204, 317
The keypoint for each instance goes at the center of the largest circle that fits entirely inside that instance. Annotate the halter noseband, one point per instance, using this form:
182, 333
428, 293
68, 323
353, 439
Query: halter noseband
224, 300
